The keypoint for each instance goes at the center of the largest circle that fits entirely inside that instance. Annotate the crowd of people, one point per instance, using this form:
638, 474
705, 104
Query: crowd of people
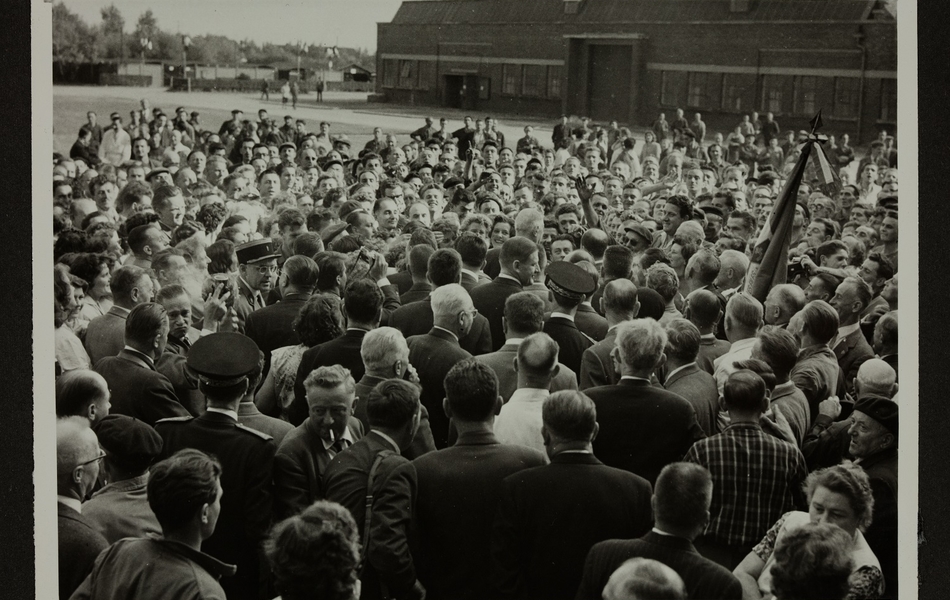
449, 365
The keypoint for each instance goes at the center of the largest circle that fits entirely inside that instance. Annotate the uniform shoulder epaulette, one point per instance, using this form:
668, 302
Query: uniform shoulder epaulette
259, 434
175, 419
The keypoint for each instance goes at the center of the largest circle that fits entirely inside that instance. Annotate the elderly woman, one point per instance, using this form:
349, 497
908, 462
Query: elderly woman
320, 320
316, 554
839, 495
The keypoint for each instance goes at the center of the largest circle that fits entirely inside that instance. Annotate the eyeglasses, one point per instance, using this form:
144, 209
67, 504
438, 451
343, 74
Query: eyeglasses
93, 460
272, 269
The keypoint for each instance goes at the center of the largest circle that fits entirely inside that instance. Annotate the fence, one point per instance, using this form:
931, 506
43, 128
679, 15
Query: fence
254, 85
125, 80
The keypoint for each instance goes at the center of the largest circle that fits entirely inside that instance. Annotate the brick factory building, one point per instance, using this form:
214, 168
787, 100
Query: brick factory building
628, 60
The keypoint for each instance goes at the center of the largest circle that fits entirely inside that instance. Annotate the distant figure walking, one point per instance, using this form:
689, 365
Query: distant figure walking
294, 90
320, 90
265, 90
284, 93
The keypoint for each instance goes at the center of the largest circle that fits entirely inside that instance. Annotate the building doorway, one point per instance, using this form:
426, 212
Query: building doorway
610, 85
454, 91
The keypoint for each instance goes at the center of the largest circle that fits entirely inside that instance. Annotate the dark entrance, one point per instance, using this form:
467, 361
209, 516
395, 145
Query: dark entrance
609, 73
454, 86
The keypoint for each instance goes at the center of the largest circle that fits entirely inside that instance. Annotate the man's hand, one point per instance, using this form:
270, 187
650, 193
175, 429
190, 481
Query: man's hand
379, 267
215, 308
830, 407
583, 190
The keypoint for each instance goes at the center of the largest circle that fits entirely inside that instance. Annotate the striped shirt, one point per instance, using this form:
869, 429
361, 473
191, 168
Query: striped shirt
756, 479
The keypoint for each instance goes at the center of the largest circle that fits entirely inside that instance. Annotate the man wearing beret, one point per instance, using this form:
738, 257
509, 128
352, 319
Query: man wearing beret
873, 434
569, 285
257, 274
120, 509
223, 362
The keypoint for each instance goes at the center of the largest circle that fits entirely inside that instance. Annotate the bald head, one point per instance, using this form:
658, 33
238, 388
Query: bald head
732, 268
448, 302
76, 443
537, 361
782, 302
620, 301
703, 309
641, 578
875, 378
529, 223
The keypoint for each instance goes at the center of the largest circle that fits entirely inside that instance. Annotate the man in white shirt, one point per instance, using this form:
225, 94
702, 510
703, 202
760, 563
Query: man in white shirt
743, 320
116, 145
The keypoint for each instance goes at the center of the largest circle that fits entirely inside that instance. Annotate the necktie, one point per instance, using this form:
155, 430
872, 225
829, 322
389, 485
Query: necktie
338, 446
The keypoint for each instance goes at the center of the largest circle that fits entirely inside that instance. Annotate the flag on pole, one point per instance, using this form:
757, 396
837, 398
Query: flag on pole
769, 263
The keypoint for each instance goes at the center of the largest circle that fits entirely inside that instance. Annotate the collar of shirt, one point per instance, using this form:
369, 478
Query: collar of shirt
587, 303
847, 330
254, 293
506, 276
391, 441
447, 331
148, 360
357, 329
575, 452
563, 316
633, 378
707, 336
515, 341
529, 395
677, 370
346, 436
223, 411
742, 344
72, 503
474, 274
661, 532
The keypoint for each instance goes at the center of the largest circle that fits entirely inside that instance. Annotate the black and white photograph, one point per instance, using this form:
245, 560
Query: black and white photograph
475, 299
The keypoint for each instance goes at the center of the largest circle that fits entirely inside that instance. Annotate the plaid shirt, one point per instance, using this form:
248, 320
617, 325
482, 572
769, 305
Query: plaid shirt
757, 478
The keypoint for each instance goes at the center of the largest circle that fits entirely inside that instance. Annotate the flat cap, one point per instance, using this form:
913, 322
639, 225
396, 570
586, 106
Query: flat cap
451, 182
134, 442
195, 113
255, 251
155, 172
288, 145
641, 230
223, 359
115, 116
331, 162
569, 280
341, 139
712, 210
237, 111
882, 410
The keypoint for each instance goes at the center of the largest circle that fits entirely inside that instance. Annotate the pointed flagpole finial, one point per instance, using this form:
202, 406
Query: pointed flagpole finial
816, 123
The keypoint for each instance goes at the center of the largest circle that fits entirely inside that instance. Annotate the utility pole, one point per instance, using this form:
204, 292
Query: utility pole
185, 42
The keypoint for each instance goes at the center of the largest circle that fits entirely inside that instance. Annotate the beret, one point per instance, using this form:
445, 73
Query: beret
652, 305
451, 182
255, 251
134, 442
223, 359
569, 280
882, 410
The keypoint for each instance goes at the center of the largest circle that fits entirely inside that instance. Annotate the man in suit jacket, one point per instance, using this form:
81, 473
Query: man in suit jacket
472, 249
643, 428
223, 362
681, 509
589, 322
434, 353
386, 355
850, 346
817, 373
569, 285
250, 416
105, 335
455, 492
138, 390
524, 316
778, 348
417, 261
394, 411
444, 267
685, 379
303, 456
257, 272
77, 469
619, 302
885, 339
362, 305
272, 327
519, 264
549, 517
704, 310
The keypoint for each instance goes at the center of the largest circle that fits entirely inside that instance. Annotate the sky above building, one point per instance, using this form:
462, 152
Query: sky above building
350, 23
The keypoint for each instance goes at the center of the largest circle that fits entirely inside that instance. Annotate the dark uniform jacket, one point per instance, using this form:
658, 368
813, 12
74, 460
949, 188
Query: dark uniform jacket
138, 390
549, 517
173, 364
571, 341
418, 291
344, 350
703, 577
433, 355
422, 443
272, 327
79, 545
416, 319
247, 461
597, 366
489, 299
642, 428
502, 363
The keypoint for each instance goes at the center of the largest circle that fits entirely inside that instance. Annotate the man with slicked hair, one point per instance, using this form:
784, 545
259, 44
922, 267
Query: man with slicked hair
455, 491
105, 335
681, 510
778, 348
816, 373
519, 265
643, 428
418, 266
617, 264
850, 346
783, 301
704, 310
743, 320
529, 223
549, 517
685, 379
620, 304
523, 317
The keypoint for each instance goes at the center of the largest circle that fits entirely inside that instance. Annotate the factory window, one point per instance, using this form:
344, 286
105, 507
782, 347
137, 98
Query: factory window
425, 74
511, 79
805, 95
535, 81
390, 68
673, 86
889, 100
699, 90
738, 92
554, 82
778, 93
846, 97
407, 74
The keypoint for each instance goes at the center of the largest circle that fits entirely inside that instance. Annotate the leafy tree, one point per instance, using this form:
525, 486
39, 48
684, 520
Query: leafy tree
74, 42
111, 34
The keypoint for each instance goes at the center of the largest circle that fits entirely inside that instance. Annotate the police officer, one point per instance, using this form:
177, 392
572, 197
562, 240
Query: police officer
569, 285
223, 362
257, 276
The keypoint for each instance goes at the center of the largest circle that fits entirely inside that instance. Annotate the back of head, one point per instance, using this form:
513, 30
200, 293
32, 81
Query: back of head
703, 308
331, 265
516, 249
595, 241
472, 249
875, 378
683, 492
652, 305
471, 390
445, 267
381, 347
301, 272
682, 341
760, 368
124, 280
744, 313
821, 320
75, 443
180, 485
569, 415
315, 554
524, 314
620, 297
744, 391
308, 244
779, 349
418, 260
144, 323
663, 279
363, 301
77, 389
644, 579
618, 262
448, 301
641, 343
790, 297
733, 259
393, 404
813, 561
529, 223
704, 265
537, 356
